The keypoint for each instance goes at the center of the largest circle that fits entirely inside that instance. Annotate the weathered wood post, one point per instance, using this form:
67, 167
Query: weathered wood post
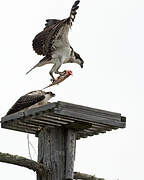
56, 149
58, 126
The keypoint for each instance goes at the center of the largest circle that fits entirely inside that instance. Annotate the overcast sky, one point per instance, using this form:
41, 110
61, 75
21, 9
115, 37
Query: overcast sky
109, 36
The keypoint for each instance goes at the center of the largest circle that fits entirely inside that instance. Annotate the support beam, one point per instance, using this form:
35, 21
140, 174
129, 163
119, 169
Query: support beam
56, 150
70, 153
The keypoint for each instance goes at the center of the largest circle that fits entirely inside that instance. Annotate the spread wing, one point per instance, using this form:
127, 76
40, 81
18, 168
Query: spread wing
50, 22
24, 102
43, 43
38, 43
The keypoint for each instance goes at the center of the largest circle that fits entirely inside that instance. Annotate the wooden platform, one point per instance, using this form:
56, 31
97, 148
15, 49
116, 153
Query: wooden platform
84, 120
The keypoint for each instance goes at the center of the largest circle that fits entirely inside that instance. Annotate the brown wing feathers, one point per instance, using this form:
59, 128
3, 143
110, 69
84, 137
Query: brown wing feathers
24, 102
50, 22
42, 43
39, 41
73, 10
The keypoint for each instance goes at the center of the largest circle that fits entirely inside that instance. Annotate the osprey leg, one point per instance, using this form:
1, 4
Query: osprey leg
54, 69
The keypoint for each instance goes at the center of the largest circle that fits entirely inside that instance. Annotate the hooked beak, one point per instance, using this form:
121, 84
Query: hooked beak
81, 65
52, 94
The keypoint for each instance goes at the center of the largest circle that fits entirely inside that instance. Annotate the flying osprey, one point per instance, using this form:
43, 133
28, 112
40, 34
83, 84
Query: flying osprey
54, 45
31, 100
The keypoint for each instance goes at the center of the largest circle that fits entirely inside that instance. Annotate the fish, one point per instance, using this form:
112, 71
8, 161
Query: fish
60, 78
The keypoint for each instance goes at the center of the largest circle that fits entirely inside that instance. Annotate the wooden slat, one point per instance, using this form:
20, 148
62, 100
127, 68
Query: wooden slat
40, 109
19, 124
58, 118
90, 118
78, 126
17, 115
101, 127
73, 119
88, 110
49, 119
41, 121
24, 126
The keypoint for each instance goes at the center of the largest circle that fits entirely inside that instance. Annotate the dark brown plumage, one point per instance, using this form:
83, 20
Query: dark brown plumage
24, 102
43, 41
31, 99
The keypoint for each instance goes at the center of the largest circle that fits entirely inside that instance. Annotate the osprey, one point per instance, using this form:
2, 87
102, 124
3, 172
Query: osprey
31, 100
54, 45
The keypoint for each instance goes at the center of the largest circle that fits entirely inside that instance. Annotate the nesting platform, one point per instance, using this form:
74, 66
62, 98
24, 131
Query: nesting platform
84, 120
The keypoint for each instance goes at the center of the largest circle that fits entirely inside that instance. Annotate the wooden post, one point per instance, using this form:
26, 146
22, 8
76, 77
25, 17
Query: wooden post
56, 149
70, 153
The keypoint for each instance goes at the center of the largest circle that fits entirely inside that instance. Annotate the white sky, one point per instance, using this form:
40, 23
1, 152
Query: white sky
109, 35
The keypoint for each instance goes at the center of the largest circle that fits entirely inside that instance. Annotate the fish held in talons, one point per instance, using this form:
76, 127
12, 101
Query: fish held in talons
60, 78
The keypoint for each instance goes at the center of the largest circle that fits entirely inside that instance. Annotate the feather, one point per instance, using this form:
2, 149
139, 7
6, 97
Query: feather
43, 41
50, 22
24, 102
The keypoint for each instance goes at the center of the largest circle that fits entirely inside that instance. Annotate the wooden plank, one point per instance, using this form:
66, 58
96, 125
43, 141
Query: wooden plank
22, 114
64, 105
93, 131
78, 126
90, 118
58, 118
74, 119
82, 135
99, 127
23, 126
50, 119
18, 124
17, 115
40, 109
41, 120
116, 117
87, 132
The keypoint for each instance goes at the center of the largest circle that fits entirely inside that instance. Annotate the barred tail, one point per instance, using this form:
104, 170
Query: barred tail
73, 11
39, 64
32, 69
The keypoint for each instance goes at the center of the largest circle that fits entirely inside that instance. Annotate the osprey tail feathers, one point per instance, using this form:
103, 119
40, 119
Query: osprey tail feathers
39, 64
73, 11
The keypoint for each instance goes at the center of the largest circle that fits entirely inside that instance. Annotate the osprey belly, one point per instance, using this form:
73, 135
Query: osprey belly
63, 54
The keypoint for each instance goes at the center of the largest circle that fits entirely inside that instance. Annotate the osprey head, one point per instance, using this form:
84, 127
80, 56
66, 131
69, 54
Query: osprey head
40, 92
50, 93
48, 96
78, 59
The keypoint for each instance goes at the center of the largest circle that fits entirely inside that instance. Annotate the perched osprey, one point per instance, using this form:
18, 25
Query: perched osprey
54, 45
31, 100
